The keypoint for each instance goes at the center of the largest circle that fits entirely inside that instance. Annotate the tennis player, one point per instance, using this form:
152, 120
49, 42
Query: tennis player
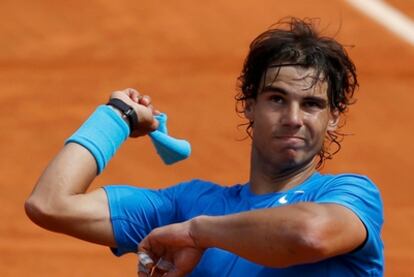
288, 219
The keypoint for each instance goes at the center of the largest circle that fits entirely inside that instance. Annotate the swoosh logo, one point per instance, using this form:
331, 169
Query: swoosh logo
282, 200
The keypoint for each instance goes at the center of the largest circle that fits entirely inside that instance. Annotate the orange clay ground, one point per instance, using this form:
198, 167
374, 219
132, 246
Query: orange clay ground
58, 61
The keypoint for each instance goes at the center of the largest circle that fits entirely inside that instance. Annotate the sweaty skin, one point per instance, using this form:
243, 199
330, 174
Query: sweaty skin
60, 201
290, 121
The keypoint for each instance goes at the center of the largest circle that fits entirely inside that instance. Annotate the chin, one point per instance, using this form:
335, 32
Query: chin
293, 159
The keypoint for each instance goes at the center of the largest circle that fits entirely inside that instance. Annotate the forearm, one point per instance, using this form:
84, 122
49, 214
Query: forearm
60, 201
273, 237
69, 173
85, 155
58, 192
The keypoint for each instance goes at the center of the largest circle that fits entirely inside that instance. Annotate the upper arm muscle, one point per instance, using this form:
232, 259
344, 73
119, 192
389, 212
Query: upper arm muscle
344, 230
88, 218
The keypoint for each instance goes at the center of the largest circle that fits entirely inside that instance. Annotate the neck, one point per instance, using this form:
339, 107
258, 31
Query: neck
265, 178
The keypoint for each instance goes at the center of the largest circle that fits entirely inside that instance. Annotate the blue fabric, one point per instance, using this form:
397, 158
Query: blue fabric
171, 150
162, 120
102, 134
135, 212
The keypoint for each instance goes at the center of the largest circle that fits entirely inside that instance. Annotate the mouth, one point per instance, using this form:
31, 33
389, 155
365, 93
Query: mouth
288, 137
293, 141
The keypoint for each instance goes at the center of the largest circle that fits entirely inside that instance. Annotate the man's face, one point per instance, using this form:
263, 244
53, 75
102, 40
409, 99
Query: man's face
290, 117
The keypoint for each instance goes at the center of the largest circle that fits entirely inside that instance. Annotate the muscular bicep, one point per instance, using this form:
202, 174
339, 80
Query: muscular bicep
343, 230
87, 217
84, 216
60, 203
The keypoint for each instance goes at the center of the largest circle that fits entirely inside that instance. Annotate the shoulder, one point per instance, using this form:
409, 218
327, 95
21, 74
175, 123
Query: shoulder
354, 191
327, 182
359, 194
347, 184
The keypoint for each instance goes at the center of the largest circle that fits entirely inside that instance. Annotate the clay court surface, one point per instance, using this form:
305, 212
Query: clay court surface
60, 59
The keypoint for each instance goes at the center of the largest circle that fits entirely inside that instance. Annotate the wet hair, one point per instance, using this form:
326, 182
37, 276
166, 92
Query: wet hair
293, 41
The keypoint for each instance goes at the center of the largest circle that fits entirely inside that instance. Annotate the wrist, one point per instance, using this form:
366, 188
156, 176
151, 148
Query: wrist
199, 227
121, 114
127, 112
102, 134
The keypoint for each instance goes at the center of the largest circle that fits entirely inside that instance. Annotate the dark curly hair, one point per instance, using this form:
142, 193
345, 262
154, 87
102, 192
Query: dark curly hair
293, 41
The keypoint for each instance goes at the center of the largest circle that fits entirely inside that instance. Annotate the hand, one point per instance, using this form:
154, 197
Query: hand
143, 108
169, 251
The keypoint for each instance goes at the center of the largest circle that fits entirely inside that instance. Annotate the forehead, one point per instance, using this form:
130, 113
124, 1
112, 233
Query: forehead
295, 79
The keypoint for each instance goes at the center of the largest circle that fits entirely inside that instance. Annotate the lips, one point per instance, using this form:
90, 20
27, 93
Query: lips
288, 137
293, 141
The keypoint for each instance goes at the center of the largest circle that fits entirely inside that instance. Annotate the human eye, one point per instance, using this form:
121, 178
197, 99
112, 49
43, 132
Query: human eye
314, 104
311, 104
276, 98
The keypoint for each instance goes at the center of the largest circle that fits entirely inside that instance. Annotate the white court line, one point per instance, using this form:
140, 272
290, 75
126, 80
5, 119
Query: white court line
388, 16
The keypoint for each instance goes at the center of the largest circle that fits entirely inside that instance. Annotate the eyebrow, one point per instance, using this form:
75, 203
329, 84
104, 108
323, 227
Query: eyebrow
276, 89
270, 88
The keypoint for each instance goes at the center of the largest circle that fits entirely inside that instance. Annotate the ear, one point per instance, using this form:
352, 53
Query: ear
249, 109
333, 120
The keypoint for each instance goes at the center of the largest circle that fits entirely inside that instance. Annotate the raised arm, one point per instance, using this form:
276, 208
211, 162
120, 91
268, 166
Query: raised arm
60, 201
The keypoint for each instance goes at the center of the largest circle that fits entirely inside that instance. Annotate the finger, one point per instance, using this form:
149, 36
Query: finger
143, 271
157, 272
149, 106
145, 259
164, 265
155, 124
145, 263
174, 273
145, 100
133, 94
126, 95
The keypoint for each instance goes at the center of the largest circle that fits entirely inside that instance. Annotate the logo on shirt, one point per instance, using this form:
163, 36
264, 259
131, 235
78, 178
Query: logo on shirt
282, 200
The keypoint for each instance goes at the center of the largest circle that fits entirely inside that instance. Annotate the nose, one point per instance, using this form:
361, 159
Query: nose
292, 116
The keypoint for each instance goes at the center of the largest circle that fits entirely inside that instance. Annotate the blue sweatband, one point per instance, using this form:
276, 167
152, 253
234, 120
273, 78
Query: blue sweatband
102, 134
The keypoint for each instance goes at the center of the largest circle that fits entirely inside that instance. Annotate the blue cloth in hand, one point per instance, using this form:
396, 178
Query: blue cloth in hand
171, 150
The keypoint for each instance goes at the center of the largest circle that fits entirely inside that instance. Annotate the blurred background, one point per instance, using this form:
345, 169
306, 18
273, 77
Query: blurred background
60, 59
